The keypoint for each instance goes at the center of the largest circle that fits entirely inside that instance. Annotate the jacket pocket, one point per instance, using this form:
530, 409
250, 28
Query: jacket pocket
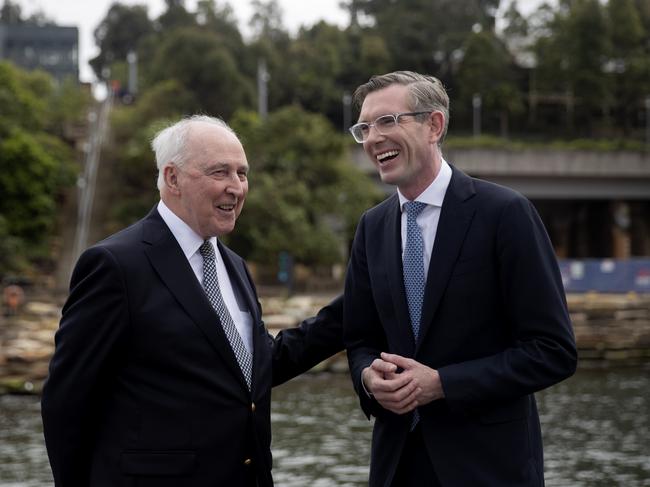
157, 463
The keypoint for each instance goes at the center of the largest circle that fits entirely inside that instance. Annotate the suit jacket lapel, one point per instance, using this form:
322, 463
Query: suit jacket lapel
455, 218
393, 237
169, 262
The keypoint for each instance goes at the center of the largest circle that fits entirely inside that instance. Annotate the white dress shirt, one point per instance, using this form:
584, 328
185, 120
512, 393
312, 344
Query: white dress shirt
190, 242
433, 196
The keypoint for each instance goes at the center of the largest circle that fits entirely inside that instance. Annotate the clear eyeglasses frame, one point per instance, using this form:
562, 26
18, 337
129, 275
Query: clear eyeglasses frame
384, 125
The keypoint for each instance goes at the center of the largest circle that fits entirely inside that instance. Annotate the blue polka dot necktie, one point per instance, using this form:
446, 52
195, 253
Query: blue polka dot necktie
414, 277
211, 287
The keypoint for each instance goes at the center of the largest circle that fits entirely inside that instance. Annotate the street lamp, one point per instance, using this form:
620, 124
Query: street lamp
263, 78
647, 120
476, 105
347, 115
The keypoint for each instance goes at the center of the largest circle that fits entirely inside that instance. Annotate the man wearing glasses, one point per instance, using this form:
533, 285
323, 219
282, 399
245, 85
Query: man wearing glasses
454, 311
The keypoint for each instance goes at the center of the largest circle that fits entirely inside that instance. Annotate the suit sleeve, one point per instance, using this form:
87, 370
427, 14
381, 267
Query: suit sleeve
543, 350
363, 334
296, 350
93, 320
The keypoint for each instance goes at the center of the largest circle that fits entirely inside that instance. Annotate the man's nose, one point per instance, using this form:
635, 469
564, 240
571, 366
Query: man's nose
235, 186
373, 135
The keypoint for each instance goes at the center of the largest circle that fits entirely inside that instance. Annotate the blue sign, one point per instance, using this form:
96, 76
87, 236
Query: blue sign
605, 275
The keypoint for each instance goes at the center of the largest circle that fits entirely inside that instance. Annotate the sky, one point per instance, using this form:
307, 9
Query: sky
86, 15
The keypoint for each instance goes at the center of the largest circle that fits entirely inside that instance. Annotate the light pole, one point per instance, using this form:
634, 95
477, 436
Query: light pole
476, 106
647, 120
347, 115
132, 59
262, 90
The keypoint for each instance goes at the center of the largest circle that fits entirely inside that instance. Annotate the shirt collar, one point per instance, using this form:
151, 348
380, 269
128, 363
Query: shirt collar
434, 194
188, 239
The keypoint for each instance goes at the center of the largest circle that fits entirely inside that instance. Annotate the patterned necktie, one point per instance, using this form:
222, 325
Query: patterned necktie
211, 286
414, 280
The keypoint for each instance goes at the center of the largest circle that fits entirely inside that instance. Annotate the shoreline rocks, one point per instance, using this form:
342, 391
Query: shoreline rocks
611, 330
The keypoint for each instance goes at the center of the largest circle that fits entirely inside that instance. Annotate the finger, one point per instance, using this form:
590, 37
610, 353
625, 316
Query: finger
383, 367
401, 408
392, 385
406, 404
405, 394
398, 360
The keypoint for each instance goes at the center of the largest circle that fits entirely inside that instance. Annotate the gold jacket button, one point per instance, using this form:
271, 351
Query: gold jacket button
248, 461
253, 407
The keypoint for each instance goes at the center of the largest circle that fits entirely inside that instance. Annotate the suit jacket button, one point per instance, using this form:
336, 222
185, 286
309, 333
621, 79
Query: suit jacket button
248, 461
253, 407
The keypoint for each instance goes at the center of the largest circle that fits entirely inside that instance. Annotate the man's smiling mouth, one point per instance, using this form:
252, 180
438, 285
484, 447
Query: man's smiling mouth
387, 156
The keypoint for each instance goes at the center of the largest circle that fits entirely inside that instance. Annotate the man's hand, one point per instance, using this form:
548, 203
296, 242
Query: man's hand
393, 391
427, 383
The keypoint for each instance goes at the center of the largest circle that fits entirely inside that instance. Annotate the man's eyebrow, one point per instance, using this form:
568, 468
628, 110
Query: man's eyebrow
225, 165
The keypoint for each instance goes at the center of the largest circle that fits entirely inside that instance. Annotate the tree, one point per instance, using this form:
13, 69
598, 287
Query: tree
36, 166
629, 64
301, 189
570, 61
487, 70
176, 16
587, 52
423, 35
316, 66
200, 63
118, 33
266, 21
11, 13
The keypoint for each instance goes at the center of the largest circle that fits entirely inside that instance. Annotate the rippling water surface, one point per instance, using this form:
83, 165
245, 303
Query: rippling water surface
596, 432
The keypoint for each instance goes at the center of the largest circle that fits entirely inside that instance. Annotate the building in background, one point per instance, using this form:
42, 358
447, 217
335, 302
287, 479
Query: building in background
51, 48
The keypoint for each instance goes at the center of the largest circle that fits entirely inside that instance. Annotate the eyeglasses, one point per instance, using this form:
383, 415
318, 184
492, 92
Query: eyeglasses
384, 125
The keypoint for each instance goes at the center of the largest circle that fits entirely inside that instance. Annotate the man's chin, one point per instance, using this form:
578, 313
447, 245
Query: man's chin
388, 178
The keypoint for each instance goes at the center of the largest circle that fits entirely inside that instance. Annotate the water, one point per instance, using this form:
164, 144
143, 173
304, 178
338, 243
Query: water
596, 432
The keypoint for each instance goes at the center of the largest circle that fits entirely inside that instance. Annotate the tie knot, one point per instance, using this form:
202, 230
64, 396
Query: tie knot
414, 208
207, 250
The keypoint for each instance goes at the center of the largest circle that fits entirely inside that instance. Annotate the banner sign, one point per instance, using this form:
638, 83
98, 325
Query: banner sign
605, 275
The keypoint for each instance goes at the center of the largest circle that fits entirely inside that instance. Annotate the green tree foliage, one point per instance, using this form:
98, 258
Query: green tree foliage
317, 67
119, 33
487, 70
176, 16
571, 62
630, 63
36, 164
271, 44
302, 190
423, 35
11, 13
199, 62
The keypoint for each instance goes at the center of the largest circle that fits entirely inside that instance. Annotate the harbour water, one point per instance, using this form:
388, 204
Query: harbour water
596, 427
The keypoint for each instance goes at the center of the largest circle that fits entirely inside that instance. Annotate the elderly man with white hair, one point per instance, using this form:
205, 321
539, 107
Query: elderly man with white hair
163, 367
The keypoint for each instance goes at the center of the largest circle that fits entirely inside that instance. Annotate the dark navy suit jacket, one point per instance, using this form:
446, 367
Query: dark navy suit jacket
494, 324
144, 388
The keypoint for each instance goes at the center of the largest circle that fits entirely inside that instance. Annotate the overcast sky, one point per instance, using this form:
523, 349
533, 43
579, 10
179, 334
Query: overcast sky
86, 15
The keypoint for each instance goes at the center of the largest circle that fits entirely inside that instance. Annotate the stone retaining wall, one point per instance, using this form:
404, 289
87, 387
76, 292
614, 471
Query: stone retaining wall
610, 330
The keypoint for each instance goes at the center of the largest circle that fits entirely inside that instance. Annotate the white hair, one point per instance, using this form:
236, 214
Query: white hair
169, 144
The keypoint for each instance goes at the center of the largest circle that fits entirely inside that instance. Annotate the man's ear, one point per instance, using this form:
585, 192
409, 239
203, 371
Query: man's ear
170, 176
437, 121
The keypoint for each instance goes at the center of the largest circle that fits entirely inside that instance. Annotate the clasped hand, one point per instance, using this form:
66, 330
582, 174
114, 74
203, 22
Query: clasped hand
401, 384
